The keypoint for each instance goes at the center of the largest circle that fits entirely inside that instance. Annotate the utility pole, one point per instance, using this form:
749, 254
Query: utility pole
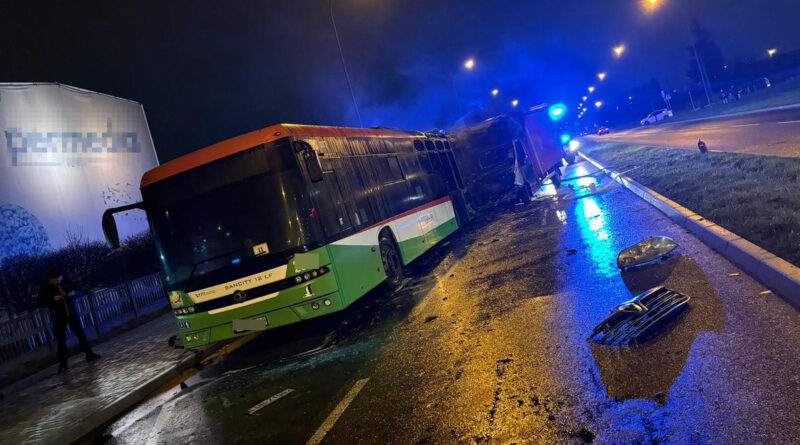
344, 67
703, 77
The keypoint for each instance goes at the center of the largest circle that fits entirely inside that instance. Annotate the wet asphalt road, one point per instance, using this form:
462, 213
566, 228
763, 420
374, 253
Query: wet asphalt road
770, 133
487, 344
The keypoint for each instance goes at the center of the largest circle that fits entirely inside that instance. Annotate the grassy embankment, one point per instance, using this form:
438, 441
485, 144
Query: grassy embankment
785, 93
756, 197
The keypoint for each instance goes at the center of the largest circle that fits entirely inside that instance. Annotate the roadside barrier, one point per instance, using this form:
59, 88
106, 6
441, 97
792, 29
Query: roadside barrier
99, 311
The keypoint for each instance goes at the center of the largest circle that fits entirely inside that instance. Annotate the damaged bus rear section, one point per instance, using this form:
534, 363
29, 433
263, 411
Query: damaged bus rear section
506, 158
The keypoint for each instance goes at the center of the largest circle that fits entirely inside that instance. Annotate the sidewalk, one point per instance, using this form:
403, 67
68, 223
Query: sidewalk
61, 408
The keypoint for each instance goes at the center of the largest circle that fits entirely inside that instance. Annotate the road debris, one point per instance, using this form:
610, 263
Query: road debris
430, 318
734, 274
702, 146
645, 251
639, 318
765, 292
270, 400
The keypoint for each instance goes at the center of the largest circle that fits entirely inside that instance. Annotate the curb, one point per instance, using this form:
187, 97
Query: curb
102, 417
775, 273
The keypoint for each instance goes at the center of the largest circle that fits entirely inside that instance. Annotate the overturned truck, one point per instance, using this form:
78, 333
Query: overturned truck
508, 157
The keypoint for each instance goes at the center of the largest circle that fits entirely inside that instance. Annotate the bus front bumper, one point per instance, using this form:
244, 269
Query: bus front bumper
305, 310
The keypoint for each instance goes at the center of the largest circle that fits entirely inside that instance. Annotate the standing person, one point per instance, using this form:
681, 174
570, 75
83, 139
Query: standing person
56, 295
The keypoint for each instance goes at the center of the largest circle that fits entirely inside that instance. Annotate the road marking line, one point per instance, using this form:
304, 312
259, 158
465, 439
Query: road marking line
789, 122
336, 413
270, 400
744, 125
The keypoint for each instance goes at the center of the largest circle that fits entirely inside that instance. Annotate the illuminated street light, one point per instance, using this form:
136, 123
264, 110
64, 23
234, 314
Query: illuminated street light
601, 76
584, 109
650, 5
619, 49
469, 63
630, 97
591, 89
772, 51
514, 103
495, 92
598, 104
584, 98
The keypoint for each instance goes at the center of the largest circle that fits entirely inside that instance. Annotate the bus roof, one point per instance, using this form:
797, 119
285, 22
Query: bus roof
254, 138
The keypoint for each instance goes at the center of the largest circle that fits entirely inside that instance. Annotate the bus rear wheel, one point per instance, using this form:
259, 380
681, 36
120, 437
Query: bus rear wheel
392, 263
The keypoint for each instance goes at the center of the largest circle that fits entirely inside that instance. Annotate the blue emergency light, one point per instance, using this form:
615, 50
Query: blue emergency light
557, 111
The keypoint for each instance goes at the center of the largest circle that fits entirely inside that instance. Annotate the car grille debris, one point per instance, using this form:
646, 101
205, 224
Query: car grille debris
640, 318
645, 251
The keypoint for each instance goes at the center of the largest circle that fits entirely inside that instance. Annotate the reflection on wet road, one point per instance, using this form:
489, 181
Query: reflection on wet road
488, 344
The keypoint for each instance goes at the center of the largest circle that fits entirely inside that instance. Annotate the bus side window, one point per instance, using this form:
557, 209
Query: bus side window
332, 210
354, 191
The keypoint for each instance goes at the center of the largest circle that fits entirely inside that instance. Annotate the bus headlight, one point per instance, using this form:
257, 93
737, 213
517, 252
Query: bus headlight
314, 273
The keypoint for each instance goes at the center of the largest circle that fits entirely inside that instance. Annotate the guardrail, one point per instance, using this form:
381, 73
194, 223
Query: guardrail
99, 311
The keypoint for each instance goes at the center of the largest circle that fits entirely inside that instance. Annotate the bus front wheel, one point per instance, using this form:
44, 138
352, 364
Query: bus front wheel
392, 263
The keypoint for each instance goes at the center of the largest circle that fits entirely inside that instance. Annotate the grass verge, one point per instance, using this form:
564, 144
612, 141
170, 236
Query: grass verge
786, 93
757, 197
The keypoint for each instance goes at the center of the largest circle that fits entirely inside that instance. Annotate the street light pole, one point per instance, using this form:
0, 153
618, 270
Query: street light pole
344, 67
703, 77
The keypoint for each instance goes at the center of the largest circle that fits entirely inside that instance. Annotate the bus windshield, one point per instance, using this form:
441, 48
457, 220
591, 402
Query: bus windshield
224, 214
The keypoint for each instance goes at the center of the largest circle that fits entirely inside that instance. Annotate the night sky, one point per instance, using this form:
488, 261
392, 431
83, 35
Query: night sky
207, 71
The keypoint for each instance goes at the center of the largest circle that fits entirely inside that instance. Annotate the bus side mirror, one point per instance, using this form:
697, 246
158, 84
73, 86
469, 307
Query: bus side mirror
110, 229
110, 225
313, 166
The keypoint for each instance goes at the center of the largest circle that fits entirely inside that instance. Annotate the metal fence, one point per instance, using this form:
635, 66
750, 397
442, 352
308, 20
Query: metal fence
99, 312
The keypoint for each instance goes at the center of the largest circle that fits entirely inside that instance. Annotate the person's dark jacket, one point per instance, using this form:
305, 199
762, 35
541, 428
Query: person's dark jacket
62, 308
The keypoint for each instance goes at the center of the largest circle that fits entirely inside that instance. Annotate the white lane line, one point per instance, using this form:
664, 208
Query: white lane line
336, 413
269, 401
745, 125
789, 122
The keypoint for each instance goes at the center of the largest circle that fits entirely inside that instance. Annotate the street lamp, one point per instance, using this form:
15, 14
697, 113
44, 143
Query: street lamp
495, 92
591, 89
514, 103
598, 104
619, 49
650, 5
469, 63
601, 76
584, 98
772, 51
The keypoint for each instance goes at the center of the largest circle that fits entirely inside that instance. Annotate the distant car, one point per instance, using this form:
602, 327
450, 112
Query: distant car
603, 130
655, 116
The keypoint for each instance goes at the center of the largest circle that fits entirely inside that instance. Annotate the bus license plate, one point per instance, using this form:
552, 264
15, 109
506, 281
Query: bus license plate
250, 324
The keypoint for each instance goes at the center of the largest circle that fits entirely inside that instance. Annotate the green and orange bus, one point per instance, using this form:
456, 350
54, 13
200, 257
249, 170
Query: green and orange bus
291, 222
